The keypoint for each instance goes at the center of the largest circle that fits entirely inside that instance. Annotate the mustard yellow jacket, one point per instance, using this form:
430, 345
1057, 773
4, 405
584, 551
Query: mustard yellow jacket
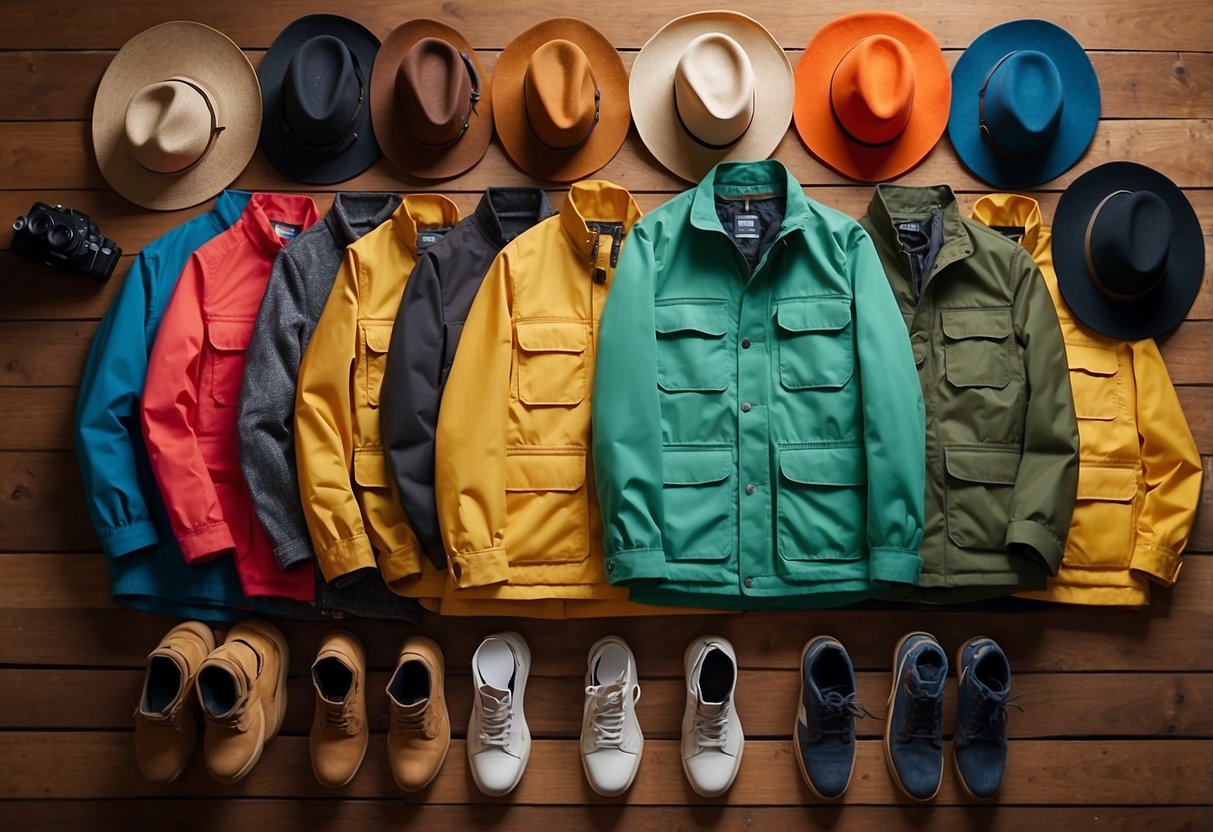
1139, 470
348, 495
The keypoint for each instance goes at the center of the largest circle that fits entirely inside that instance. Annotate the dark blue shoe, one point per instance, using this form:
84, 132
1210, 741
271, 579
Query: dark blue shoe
913, 737
825, 720
980, 750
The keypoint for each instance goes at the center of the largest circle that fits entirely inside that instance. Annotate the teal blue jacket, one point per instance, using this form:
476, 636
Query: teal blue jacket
759, 434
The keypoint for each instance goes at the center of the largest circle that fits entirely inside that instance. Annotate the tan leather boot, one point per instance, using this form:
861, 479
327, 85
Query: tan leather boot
166, 725
242, 688
339, 734
420, 731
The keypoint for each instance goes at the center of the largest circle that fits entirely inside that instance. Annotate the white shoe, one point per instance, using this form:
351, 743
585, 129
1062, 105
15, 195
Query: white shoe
499, 742
611, 740
712, 740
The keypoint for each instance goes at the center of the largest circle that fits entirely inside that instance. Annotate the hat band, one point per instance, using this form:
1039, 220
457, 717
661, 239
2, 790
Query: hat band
473, 99
584, 139
216, 129
703, 142
1091, 270
350, 134
983, 128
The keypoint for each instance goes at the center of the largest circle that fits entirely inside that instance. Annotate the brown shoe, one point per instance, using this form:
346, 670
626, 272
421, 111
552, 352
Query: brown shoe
420, 731
339, 737
242, 688
166, 718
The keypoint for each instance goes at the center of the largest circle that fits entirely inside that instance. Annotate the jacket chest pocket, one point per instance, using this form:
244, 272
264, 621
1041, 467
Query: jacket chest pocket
978, 347
821, 503
692, 353
699, 503
376, 340
1104, 526
815, 343
1094, 383
547, 507
980, 483
551, 362
227, 343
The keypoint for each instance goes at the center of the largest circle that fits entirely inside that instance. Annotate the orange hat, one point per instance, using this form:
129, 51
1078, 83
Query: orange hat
872, 95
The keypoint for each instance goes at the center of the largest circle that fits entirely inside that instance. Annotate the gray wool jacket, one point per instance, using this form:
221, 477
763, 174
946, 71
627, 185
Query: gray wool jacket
298, 289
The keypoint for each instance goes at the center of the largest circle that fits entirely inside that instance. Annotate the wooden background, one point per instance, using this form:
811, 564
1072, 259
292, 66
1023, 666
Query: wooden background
1117, 732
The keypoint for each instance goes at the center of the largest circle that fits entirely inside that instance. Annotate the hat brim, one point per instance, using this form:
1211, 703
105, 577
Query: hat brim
1079, 116
655, 110
1165, 306
521, 144
283, 152
820, 130
192, 50
395, 140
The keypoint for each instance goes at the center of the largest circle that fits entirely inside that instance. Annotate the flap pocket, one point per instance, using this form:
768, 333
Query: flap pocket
378, 337
993, 323
985, 465
551, 364
543, 472
708, 318
229, 336
1092, 360
1114, 485
813, 316
823, 466
551, 336
370, 468
695, 466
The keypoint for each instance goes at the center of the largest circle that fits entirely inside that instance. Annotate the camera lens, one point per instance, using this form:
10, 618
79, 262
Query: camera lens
60, 236
39, 223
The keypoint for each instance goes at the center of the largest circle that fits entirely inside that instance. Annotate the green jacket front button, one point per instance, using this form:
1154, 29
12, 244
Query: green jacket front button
749, 582
750, 488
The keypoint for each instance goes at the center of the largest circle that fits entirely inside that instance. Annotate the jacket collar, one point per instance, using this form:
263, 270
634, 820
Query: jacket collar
264, 210
355, 213
900, 201
419, 211
740, 179
595, 200
512, 203
230, 205
1013, 211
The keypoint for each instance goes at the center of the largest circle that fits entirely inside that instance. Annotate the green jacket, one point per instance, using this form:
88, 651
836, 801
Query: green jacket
758, 429
1002, 441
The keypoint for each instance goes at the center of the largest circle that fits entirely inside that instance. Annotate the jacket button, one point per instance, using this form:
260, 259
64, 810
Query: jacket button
746, 343
749, 582
751, 488
610, 567
745, 407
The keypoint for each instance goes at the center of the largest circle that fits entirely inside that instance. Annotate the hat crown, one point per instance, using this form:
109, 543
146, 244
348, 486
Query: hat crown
321, 93
170, 124
433, 91
561, 94
872, 90
1022, 102
714, 89
1129, 240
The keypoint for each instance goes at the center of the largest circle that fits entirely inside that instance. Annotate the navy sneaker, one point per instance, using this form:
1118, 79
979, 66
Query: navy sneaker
825, 720
913, 737
980, 750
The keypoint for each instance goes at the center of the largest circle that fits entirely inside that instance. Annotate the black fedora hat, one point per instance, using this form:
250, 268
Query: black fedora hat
1128, 251
316, 116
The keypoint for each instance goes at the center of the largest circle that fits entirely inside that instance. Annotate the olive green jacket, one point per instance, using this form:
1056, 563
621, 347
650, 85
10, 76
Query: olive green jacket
1002, 440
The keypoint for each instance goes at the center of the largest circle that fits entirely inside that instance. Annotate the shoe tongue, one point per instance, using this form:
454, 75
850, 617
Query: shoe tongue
497, 694
413, 708
711, 708
928, 678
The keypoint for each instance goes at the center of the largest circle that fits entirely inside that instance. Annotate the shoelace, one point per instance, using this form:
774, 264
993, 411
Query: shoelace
608, 714
336, 715
923, 719
711, 731
988, 718
837, 714
409, 721
496, 717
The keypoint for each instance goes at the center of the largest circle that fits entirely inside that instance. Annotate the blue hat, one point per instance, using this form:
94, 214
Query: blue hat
1025, 104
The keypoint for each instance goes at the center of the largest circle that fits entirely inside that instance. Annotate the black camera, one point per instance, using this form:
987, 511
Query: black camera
65, 239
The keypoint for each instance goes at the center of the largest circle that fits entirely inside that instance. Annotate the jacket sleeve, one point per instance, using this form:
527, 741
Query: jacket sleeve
1045, 486
267, 413
107, 418
1172, 468
627, 420
170, 409
409, 404
894, 419
470, 446
324, 435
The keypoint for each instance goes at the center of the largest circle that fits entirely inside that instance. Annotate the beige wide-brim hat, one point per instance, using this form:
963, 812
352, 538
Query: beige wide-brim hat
180, 56
653, 101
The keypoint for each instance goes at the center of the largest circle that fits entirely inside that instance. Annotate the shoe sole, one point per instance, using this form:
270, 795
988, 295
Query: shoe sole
207, 636
361, 654
888, 723
796, 732
284, 653
955, 765
694, 647
640, 752
523, 653
441, 672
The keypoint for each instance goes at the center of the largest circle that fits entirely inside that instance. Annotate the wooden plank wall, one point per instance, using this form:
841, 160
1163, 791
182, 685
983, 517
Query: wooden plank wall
1117, 731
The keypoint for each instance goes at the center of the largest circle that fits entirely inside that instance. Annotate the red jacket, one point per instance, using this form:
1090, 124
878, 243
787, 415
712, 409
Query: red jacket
193, 387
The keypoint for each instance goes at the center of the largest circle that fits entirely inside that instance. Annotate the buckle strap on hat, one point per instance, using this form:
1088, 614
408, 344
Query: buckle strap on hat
983, 128
216, 127
473, 100
843, 127
700, 141
1086, 252
350, 135
588, 133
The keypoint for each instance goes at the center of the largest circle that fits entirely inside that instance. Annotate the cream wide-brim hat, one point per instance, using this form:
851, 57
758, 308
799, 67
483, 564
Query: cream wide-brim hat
184, 49
652, 93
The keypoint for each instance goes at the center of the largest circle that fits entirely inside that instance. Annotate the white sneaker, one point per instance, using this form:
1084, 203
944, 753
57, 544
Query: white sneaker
611, 740
712, 740
499, 742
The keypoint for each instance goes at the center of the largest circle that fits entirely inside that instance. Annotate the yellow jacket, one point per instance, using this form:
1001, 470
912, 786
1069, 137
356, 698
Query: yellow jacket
1139, 470
349, 497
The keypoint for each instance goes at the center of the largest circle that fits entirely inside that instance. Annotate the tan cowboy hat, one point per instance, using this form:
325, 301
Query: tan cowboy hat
560, 93
711, 87
431, 105
176, 117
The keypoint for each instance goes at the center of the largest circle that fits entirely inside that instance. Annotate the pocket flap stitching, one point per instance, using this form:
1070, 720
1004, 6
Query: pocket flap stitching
823, 466
993, 466
229, 336
1117, 485
813, 316
692, 466
378, 336
706, 317
543, 472
1097, 362
977, 323
551, 336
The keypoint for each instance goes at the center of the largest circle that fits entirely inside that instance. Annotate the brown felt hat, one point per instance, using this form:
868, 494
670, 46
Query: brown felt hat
431, 105
562, 100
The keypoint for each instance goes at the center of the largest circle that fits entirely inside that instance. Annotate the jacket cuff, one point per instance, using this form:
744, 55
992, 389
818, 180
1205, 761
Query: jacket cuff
1037, 540
346, 556
206, 543
294, 552
897, 566
636, 565
488, 566
1162, 565
126, 539
400, 565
